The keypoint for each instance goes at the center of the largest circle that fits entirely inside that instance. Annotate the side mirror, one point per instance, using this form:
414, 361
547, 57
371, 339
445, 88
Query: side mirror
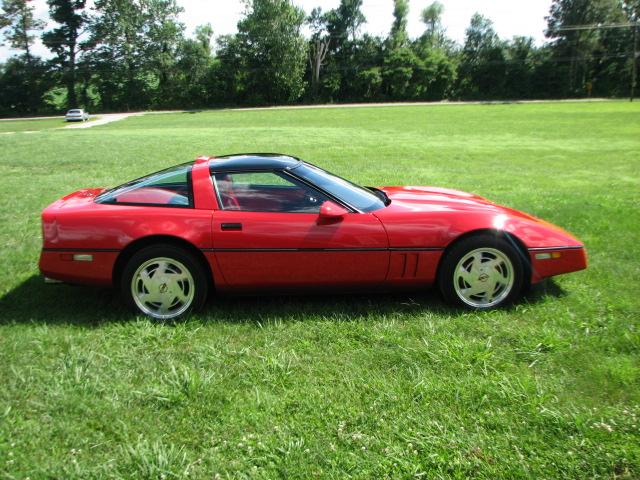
332, 212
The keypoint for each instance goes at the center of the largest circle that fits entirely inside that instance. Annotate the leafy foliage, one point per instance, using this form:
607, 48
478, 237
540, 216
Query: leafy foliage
273, 51
134, 55
64, 41
19, 24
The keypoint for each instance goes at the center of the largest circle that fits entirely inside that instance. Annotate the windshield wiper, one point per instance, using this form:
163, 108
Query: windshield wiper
381, 194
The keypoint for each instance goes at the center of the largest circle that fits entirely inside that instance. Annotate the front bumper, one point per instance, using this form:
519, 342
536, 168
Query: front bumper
549, 261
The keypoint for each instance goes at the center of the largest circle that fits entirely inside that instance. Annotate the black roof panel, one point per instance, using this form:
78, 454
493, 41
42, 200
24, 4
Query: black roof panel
253, 161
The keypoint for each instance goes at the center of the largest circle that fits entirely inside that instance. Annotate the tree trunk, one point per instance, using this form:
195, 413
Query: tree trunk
317, 54
27, 50
72, 99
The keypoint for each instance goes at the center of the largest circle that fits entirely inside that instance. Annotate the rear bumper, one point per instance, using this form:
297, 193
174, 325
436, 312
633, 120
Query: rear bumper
547, 262
78, 266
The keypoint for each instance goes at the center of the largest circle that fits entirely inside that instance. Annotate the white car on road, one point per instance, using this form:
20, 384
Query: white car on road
77, 115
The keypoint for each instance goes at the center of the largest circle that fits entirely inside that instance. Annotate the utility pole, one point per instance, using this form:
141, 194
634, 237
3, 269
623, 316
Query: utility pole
634, 61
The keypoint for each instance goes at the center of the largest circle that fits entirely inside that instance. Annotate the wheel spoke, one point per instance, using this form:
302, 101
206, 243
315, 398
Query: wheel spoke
178, 277
180, 295
476, 263
147, 281
491, 290
149, 297
501, 277
162, 268
165, 303
465, 274
474, 290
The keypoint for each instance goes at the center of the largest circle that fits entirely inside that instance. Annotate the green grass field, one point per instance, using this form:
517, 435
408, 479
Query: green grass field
36, 125
384, 386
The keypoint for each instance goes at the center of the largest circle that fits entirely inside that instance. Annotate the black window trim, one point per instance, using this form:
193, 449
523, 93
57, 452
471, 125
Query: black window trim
286, 172
335, 199
291, 171
190, 195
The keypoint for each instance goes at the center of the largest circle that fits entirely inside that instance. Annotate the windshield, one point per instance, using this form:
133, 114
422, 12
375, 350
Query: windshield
350, 193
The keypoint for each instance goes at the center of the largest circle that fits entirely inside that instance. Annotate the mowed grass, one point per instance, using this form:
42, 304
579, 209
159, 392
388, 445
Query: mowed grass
35, 125
366, 386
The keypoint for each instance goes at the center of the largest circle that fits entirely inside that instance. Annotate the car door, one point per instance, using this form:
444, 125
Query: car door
268, 233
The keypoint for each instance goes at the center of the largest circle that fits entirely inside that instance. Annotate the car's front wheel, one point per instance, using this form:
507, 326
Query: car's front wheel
164, 282
482, 272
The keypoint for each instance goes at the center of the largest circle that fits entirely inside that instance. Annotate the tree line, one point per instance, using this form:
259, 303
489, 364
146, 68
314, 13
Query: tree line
134, 54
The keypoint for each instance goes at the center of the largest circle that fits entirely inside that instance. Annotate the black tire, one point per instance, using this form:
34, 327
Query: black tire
194, 288
486, 246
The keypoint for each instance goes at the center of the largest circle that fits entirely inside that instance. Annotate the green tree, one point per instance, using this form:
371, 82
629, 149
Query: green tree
19, 25
344, 22
437, 55
347, 58
574, 49
432, 18
519, 67
119, 56
164, 33
398, 70
481, 73
194, 62
23, 86
399, 61
24, 80
227, 79
398, 37
435, 74
318, 47
64, 41
136, 52
274, 52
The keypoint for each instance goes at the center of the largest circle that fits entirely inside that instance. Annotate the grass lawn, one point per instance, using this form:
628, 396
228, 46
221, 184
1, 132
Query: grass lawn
345, 386
35, 125
7, 126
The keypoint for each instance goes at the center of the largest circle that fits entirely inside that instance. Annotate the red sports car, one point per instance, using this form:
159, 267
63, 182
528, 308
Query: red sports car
270, 222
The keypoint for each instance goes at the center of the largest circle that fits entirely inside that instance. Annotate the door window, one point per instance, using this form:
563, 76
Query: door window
266, 192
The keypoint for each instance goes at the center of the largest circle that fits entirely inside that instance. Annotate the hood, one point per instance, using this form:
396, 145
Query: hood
430, 199
433, 216
418, 193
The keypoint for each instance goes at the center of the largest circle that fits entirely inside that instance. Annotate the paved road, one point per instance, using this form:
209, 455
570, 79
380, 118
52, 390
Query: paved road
103, 119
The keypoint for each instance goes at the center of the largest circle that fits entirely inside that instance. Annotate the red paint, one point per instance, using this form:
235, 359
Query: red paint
568, 261
262, 233
61, 267
399, 245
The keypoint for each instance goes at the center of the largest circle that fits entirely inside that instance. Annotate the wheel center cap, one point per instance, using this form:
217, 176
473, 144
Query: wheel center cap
483, 277
163, 288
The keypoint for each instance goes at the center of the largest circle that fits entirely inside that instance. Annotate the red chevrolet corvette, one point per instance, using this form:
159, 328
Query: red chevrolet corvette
258, 222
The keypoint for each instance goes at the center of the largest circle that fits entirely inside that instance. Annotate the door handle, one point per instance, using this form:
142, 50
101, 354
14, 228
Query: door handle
230, 226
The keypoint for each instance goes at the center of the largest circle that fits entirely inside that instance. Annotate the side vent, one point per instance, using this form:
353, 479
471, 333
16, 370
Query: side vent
413, 267
404, 265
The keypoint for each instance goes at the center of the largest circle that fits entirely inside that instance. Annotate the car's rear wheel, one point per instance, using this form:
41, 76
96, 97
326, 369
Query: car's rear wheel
482, 272
164, 282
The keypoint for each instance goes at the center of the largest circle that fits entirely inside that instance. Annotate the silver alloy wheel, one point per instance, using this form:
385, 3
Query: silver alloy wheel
483, 277
162, 288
